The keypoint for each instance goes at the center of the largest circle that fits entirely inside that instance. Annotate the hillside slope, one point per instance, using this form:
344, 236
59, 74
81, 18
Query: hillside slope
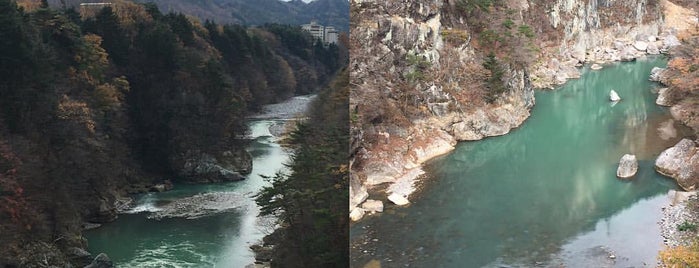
100, 104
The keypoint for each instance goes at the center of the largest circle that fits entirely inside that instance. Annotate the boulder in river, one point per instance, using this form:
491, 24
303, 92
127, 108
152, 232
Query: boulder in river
681, 162
613, 96
628, 166
628, 54
162, 187
101, 261
79, 255
596, 66
357, 214
372, 205
398, 199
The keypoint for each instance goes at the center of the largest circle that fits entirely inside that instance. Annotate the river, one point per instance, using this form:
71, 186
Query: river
545, 195
219, 239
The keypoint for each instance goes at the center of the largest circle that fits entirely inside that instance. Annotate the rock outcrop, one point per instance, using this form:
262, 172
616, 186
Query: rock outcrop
628, 166
206, 168
681, 162
663, 98
656, 74
613, 96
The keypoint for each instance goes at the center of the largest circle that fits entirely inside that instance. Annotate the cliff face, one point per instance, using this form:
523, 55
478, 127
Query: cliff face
429, 73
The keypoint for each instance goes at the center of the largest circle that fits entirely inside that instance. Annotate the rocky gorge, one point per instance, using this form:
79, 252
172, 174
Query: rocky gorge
387, 37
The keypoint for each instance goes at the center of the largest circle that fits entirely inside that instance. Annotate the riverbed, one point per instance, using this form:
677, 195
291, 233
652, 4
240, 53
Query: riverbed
221, 237
545, 195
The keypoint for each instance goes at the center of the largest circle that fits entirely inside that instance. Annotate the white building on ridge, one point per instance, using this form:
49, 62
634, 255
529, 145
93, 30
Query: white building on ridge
326, 34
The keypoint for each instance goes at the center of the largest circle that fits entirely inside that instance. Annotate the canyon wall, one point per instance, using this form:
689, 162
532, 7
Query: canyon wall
429, 73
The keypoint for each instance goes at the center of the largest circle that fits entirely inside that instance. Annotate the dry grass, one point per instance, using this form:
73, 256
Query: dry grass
680, 256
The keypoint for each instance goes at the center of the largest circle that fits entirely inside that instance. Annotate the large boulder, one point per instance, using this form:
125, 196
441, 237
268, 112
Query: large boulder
671, 41
162, 187
356, 214
640, 45
653, 49
101, 261
372, 206
628, 166
398, 199
613, 96
628, 54
681, 162
78, 256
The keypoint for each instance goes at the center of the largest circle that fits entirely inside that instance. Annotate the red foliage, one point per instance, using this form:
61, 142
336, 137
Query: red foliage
12, 200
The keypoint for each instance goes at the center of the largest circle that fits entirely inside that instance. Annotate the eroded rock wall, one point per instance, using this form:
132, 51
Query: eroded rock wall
412, 96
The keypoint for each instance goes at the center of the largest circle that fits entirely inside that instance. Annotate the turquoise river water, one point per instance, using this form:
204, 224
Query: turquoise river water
218, 240
545, 195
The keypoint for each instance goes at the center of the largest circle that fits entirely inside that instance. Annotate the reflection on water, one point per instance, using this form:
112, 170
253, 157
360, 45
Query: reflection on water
523, 198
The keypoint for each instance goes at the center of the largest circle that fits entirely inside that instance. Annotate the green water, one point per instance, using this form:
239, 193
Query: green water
219, 240
544, 195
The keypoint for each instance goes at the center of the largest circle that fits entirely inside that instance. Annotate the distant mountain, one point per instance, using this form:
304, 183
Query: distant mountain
257, 12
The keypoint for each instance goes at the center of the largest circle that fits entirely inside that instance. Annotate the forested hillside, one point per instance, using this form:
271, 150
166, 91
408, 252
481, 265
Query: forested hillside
311, 201
253, 12
98, 103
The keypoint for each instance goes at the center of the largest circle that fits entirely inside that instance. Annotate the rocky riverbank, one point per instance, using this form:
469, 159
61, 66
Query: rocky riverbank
678, 218
390, 154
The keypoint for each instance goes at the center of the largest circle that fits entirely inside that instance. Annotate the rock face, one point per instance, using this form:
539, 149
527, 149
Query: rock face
628, 166
663, 99
357, 192
656, 74
681, 162
389, 32
613, 96
206, 168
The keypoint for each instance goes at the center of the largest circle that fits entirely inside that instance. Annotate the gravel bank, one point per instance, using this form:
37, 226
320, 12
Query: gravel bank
681, 208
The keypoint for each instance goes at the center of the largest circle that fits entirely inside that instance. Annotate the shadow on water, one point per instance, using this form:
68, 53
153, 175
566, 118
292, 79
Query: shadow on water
537, 196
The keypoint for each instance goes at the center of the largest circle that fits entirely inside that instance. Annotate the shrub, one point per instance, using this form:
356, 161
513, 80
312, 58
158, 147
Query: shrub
687, 226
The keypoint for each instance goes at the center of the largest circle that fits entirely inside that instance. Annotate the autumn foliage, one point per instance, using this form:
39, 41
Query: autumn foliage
104, 102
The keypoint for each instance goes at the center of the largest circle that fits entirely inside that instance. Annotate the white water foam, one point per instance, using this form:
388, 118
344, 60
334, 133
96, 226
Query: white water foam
145, 204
